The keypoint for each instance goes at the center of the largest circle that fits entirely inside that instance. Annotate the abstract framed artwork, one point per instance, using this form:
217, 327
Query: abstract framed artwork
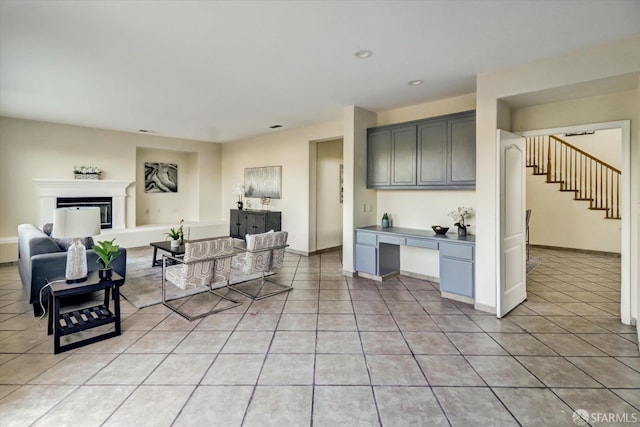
160, 177
263, 182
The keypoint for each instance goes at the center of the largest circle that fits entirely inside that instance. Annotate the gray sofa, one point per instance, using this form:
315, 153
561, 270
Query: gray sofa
40, 259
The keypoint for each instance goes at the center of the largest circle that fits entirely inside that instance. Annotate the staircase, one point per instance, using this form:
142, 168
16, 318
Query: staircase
589, 178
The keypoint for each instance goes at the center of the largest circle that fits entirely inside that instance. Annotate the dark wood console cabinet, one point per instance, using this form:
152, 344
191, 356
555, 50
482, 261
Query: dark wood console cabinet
243, 222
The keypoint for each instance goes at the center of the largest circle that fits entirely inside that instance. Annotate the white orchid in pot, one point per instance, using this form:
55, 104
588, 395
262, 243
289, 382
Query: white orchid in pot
458, 216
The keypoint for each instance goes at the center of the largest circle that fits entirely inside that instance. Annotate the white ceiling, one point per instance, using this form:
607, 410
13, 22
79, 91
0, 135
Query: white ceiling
225, 70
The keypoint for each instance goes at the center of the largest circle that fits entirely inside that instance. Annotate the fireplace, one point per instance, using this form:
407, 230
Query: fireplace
104, 203
92, 191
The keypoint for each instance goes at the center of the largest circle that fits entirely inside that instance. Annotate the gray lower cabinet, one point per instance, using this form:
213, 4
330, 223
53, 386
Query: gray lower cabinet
436, 153
456, 269
377, 253
243, 222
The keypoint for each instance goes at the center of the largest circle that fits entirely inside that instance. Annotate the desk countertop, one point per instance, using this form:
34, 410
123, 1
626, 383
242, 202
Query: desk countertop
416, 232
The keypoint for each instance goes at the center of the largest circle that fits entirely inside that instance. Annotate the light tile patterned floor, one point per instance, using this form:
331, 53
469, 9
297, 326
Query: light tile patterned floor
338, 351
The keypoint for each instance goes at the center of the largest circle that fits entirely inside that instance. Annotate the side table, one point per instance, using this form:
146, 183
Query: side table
61, 324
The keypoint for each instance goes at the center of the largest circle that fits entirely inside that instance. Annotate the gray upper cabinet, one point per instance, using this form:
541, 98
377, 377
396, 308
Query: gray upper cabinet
403, 156
462, 134
433, 153
379, 158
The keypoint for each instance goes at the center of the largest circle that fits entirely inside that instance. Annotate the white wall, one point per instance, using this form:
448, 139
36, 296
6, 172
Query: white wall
592, 65
328, 206
33, 149
286, 148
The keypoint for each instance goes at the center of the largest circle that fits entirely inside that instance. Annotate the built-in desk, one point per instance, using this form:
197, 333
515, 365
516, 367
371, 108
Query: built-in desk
377, 253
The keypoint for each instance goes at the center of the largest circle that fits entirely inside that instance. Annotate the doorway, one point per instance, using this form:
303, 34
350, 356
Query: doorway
329, 197
625, 207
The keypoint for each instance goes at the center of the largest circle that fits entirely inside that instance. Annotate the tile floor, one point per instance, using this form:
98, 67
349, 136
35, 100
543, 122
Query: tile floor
339, 351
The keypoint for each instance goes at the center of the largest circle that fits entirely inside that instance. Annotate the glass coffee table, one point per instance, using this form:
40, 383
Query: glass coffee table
165, 246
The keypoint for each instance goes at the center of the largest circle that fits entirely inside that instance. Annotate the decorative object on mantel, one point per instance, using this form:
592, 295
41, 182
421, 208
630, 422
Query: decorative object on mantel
106, 252
439, 229
239, 191
176, 235
264, 201
458, 216
86, 172
385, 220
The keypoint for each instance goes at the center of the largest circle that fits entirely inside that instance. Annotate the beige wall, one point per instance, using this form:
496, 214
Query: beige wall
32, 149
163, 208
592, 65
289, 149
359, 208
328, 206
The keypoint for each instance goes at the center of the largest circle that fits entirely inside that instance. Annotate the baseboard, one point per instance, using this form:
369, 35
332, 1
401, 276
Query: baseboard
455, 297
378, 278
581, 251
485, 308
420, 276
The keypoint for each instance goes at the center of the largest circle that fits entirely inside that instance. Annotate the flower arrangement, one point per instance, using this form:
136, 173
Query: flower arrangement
458, 216
87, 170
239, 191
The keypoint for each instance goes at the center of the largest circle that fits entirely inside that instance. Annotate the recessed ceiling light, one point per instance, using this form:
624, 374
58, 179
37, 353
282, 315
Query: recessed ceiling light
363, 54
275, 126
416, 82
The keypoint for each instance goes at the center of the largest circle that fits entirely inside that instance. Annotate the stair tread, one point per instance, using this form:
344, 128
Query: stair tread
599, 209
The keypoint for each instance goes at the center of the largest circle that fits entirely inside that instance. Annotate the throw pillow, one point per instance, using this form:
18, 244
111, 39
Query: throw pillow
65, 244
47, 228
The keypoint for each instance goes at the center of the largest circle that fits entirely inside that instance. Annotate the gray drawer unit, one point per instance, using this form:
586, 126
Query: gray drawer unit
392, 240
421, 243
363, 238
456, 250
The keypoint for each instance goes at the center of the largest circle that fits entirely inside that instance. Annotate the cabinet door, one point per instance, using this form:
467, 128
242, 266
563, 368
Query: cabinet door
256, 223
432, 153
274, 221
462, 134
403, 156
456, 276
366, 259
379, 158
234, 223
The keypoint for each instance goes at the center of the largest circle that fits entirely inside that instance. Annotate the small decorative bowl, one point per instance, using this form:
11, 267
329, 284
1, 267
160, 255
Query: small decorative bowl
440, 230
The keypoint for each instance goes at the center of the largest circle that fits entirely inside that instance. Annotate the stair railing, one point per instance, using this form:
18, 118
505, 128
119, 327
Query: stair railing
576, 171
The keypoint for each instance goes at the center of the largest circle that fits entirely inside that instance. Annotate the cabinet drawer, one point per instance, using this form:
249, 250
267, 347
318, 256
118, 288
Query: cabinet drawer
456, 251
456, 277
393, 240
427, 244
366, 238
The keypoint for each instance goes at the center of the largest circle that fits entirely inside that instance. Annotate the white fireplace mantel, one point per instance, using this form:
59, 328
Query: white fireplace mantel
50, 189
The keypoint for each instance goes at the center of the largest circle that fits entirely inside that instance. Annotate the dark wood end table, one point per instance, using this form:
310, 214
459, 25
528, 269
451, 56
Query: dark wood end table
165, 246
61, 324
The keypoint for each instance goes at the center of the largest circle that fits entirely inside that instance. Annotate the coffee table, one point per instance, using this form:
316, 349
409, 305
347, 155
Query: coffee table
164, 246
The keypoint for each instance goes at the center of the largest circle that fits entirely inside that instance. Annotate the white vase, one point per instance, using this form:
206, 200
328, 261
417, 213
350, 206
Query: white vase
175, 243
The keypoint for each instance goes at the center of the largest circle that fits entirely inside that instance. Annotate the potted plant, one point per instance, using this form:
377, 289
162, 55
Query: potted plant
86, 172
106, 252
176, 235
458, 216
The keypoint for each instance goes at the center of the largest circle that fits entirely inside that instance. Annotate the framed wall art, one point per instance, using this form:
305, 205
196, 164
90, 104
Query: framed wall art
263, 182
160, 177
